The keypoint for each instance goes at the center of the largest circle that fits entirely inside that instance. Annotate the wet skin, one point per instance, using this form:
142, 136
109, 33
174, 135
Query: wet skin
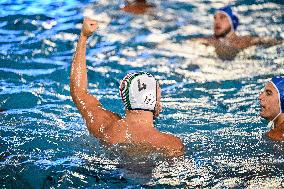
136, 128
269, 103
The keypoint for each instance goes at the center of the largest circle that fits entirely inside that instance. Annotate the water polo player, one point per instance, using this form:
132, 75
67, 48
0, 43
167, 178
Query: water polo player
141, 95
272, 107
225, 40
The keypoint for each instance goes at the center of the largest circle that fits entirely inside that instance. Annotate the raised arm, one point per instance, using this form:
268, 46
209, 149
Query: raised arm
97, 118
78, 77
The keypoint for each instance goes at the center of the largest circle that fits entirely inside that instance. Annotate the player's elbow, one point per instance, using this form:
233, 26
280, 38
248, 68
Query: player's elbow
77, 94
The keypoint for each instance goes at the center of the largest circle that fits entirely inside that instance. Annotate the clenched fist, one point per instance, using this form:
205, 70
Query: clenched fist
89, 27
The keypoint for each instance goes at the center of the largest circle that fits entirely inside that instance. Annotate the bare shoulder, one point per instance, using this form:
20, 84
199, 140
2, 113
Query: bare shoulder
172, 143
242, 42
101, 118
116, 132
275, 136
174, 140
97, 118
247, 39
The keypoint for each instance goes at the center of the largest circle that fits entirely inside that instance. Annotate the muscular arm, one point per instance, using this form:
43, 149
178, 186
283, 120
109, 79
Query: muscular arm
97, 118
78, 77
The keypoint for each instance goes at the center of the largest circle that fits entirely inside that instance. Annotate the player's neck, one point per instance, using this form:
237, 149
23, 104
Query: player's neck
140, 117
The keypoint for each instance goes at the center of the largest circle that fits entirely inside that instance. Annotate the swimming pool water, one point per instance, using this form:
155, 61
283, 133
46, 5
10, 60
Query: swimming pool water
209, 103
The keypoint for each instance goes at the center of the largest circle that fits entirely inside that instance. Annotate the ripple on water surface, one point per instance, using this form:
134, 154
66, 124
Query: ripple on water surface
209, 103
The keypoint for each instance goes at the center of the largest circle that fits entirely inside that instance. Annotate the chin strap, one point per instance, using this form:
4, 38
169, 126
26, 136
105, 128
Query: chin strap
271, 123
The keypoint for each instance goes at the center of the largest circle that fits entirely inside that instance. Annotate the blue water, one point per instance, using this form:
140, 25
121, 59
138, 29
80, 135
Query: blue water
209, 103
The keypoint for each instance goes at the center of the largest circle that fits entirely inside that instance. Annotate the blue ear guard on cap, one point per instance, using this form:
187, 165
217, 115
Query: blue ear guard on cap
227, 10
278, 83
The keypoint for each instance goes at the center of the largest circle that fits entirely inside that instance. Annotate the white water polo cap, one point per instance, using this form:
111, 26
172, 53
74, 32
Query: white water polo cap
139, 91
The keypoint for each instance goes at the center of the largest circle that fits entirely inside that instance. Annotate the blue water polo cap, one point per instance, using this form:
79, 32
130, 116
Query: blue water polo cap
278, 83
227, 10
